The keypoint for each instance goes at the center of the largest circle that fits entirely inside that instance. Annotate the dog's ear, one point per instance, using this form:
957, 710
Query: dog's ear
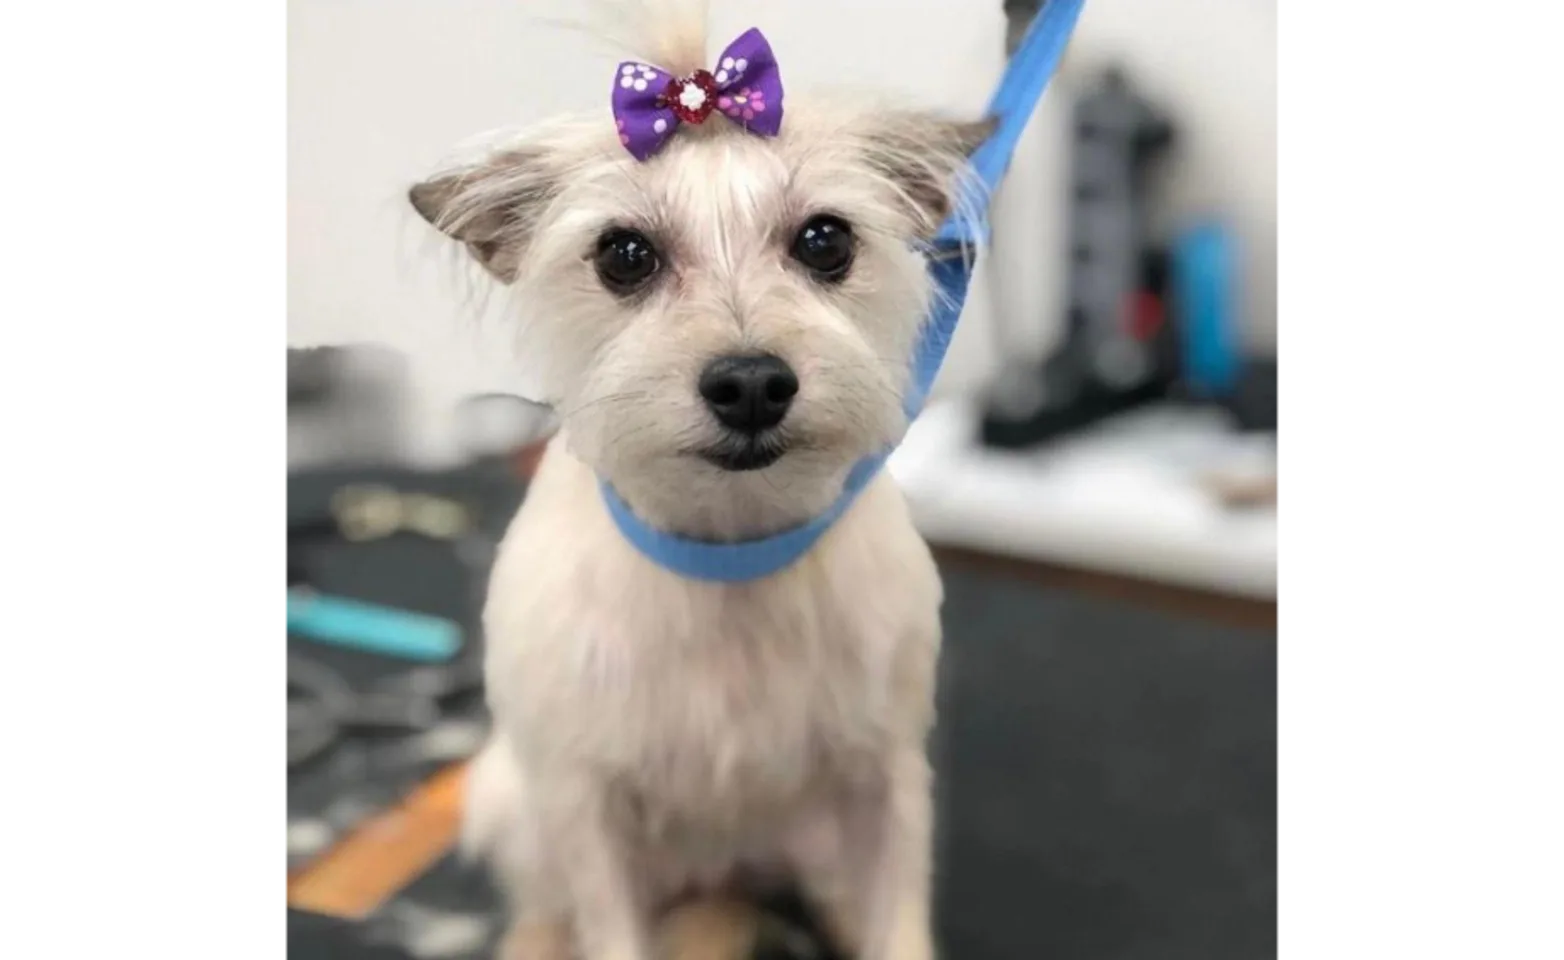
924, 156
492, 207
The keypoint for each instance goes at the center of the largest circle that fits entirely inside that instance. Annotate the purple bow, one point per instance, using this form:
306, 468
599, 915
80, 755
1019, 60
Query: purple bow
649, 103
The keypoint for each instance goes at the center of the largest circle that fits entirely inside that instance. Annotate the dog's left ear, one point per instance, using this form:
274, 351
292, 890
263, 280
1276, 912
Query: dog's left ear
925, 157
492, 207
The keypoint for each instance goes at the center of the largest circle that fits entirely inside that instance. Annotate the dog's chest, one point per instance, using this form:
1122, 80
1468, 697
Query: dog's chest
707, 706
757, 704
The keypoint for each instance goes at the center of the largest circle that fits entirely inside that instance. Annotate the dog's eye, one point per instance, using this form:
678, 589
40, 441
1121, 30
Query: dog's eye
825, 246
625, 260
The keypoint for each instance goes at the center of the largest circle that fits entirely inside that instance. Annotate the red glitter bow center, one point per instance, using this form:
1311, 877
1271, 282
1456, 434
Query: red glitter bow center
692, 98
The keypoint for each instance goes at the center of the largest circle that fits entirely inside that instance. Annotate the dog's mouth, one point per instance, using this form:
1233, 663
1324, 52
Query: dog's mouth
740, 453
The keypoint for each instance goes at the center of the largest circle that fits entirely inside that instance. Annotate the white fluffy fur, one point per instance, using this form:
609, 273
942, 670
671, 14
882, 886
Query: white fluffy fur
655, 735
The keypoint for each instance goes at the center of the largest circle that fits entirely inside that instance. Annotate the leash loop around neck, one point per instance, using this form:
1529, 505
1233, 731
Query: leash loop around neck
1025, 78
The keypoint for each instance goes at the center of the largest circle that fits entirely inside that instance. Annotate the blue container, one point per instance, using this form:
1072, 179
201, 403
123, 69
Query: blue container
1205, 301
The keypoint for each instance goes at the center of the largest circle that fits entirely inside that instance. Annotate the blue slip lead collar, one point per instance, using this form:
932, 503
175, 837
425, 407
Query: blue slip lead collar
950, 267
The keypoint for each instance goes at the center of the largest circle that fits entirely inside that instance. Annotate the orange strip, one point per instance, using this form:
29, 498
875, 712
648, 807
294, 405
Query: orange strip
384, 855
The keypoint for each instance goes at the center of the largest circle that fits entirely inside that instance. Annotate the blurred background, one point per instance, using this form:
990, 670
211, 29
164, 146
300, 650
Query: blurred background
1097, 470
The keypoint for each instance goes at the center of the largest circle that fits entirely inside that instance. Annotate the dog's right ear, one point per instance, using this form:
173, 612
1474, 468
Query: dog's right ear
492, 207
924, 156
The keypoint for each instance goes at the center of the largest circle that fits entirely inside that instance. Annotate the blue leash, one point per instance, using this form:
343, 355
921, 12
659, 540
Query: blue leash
1025, 78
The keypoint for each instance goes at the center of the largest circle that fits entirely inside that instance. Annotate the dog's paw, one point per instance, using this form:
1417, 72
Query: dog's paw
536, 940
911, 941
711, 929
735, 930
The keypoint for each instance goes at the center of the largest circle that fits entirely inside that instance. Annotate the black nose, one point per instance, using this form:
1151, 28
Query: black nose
749, 394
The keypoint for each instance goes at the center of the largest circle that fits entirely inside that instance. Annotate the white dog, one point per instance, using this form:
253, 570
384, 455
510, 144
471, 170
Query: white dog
727, 327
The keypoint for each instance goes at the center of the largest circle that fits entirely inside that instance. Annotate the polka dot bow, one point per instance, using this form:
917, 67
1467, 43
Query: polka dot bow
649, 103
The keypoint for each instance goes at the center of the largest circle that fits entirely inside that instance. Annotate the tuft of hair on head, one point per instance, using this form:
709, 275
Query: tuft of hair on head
670, 34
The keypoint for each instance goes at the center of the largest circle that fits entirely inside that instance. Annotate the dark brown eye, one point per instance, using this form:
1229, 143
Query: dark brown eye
825, 245
625, 260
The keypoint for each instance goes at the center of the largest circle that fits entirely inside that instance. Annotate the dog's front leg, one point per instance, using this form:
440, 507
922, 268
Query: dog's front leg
899, 925
864, 863
596, 860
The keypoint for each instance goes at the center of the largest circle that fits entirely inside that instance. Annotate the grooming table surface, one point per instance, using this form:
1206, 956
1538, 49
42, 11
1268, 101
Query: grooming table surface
1108, 779
1124, 497
1107, 775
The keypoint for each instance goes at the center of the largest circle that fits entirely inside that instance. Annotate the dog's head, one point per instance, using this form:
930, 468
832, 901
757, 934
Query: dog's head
726, 327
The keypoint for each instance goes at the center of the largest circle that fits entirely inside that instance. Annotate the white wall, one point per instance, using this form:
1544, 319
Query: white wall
381, 90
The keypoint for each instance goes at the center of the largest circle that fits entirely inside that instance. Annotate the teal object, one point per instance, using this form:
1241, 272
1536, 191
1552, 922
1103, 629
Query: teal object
372, 628
1203, 283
